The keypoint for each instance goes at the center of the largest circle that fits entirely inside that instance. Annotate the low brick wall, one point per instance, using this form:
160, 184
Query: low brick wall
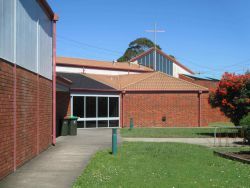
26, 132
181, 109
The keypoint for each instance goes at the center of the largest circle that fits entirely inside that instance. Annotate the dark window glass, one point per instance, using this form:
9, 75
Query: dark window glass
171, 68
90, 107
167, 71
90, 124
102, 123
158, 66
114, 123
145, 60
164, 65
113, 107
151, 60
80, 124
78, 106
102, 107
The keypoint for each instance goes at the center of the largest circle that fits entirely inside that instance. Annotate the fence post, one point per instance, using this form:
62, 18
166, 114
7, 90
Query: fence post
114, 141
131, 123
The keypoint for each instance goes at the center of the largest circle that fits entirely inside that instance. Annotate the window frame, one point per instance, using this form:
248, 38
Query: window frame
96, 118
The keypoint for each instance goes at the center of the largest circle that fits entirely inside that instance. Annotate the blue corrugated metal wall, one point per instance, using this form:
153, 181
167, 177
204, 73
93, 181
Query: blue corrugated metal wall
26, 36
7, 30
162, 63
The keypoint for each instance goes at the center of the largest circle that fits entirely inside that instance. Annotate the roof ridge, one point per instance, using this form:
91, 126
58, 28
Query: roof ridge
80, 58
150, 74
142, 54
103, 82
184, 81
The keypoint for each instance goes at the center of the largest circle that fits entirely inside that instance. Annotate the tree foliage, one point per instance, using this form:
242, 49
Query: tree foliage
232, 96
137, 47
248, 71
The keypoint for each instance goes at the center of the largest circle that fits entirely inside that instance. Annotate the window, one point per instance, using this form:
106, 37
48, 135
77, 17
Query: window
102, 106
114, 123
96, 110
164, 65
113, 107
78, 107
102, 123
90, 107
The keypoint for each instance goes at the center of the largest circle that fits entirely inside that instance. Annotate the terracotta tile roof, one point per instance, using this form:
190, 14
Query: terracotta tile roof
165, 55
68, 61
155, 81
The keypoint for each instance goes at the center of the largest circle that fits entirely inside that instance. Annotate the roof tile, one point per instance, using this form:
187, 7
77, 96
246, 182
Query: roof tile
102, 64
155, 81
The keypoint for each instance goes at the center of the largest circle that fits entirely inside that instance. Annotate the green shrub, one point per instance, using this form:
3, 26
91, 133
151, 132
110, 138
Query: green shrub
245, 123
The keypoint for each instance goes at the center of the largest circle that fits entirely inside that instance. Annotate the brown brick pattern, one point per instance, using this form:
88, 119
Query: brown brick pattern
6, 119
147, 110
62, 108
209, 114
33, 116
180, 109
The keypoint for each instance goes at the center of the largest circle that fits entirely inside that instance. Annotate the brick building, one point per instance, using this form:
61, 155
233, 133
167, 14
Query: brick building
27, 53
152, 99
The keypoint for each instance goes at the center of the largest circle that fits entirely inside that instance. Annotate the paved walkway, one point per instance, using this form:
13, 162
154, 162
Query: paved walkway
60, 165
199, 141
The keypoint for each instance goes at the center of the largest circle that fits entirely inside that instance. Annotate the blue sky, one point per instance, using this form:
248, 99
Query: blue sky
208, 36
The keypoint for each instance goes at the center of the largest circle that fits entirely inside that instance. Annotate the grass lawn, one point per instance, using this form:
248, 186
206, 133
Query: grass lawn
167, 132
220, 124
156, 165
174, 132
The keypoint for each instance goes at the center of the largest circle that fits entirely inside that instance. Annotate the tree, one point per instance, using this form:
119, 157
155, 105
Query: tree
248, 71
171, 56
232, 96
137, 47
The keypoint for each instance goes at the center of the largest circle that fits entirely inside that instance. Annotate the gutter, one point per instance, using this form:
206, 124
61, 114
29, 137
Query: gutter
102, 68
14, 117
55, 19
87, 89
199, 108
122, 108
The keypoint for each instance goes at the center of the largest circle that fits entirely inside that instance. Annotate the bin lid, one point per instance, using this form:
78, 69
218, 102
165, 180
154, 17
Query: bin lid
71, 117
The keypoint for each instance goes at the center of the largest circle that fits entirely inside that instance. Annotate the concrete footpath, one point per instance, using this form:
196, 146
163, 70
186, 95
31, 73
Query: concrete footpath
198, 141
60, 165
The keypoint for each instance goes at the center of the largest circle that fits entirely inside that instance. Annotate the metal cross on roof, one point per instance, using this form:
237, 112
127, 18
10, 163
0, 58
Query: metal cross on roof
155, 31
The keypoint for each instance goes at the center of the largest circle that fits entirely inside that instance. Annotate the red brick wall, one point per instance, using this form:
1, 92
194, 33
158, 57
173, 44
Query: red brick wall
6, 119
209, 114
62, 104
180, 109
33, 116
26, 116
45, 113
62, 108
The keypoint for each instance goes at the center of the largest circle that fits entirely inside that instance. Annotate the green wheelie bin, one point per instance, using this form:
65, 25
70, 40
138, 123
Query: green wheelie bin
72, 126
65, 127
